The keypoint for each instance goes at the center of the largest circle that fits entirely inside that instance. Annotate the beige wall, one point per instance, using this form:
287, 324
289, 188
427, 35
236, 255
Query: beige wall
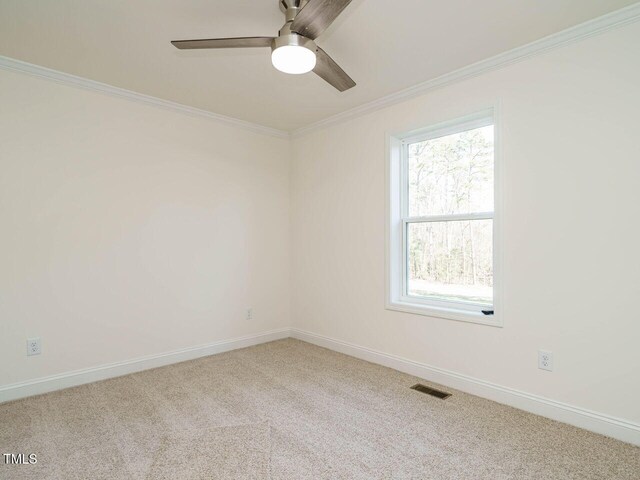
569, 126
130, 230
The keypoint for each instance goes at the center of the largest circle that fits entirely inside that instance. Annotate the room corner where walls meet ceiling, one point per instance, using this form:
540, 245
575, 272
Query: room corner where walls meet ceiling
68, 36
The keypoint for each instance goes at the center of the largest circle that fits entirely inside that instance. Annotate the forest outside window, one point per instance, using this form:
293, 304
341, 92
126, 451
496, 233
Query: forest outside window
442, 221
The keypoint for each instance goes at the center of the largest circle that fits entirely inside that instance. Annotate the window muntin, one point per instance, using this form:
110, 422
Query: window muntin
447, 217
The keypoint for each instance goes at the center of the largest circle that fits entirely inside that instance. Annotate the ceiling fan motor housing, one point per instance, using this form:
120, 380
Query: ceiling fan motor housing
293, 39
285, 36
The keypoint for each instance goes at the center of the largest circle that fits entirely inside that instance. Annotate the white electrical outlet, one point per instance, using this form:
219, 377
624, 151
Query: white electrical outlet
249, 315
34, 346
545, 360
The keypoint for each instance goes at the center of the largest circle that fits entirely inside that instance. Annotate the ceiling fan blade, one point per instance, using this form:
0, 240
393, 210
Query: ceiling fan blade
316, 16
331, 72
240, 42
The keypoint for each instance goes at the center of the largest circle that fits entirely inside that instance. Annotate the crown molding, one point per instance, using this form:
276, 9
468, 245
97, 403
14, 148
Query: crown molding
596, 26
579, 32
11, 64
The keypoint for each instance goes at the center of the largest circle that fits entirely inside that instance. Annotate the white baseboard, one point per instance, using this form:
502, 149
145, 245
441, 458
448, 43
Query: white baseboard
596, 422
102, 372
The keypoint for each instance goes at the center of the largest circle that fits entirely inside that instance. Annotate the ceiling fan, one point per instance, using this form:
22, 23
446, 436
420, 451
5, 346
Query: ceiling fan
293, 50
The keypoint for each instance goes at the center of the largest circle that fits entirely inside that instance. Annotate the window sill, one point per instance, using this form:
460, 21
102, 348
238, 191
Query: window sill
447, 313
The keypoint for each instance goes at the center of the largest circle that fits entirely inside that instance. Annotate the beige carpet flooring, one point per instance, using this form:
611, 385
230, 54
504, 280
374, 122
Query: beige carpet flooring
290, 410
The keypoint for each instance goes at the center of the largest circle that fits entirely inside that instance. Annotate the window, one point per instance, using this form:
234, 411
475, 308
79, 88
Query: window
442, 221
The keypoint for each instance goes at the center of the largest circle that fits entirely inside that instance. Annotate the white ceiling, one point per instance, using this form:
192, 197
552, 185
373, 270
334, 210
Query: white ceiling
385, 45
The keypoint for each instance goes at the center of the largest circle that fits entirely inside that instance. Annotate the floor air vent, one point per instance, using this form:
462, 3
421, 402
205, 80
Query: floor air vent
431, 391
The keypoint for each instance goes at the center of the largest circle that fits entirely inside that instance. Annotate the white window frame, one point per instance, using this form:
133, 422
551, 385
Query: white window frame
398, 221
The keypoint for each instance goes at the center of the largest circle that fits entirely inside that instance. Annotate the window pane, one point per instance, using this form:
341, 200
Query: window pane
451, 261
452, 174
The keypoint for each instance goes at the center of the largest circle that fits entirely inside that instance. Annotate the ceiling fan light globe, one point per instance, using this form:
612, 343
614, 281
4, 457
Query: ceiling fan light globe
293, 59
